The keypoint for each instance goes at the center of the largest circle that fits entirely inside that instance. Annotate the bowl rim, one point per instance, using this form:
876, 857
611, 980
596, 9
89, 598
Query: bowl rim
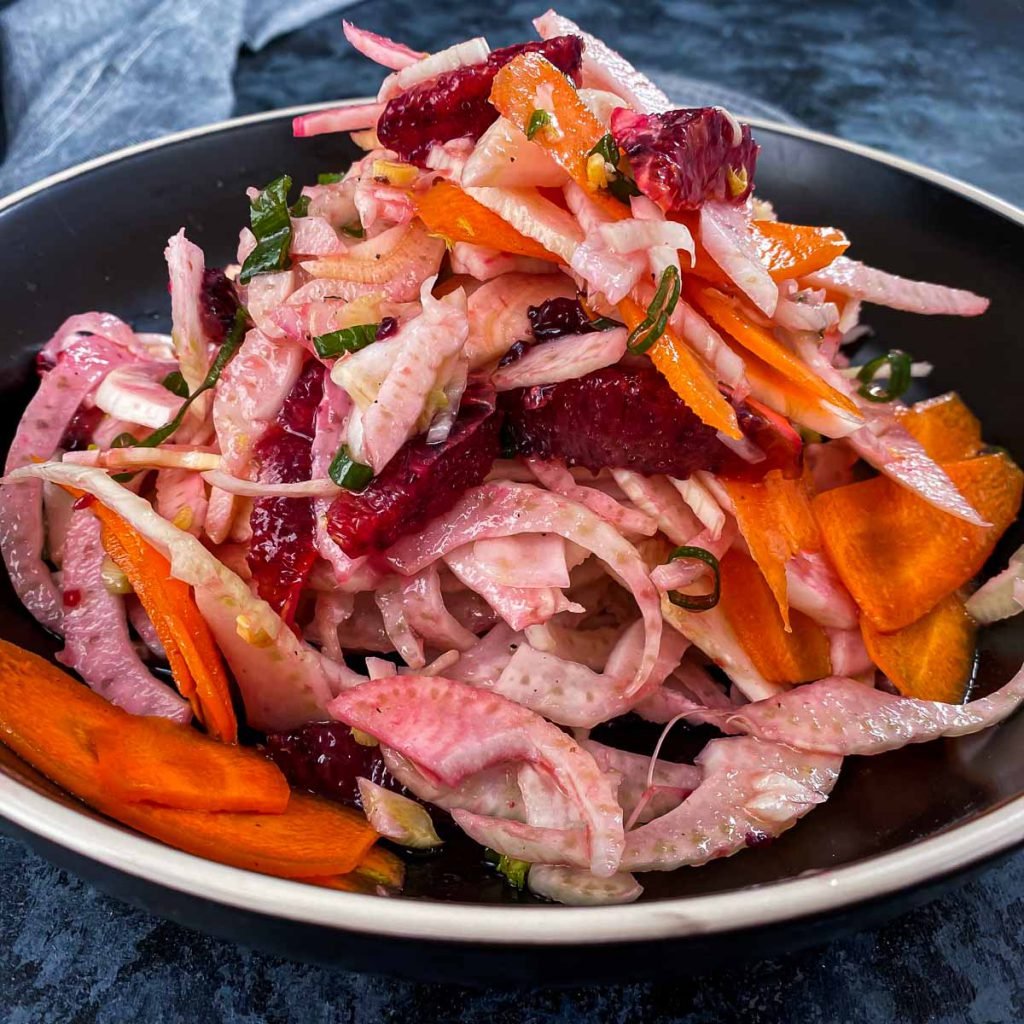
825, 891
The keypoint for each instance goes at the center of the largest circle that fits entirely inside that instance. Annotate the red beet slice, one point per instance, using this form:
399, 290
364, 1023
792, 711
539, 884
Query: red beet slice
282, 551
421, 482
683, 157
628, 417
456, 105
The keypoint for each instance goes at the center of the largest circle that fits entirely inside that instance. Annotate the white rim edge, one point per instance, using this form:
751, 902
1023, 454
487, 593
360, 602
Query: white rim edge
772, 903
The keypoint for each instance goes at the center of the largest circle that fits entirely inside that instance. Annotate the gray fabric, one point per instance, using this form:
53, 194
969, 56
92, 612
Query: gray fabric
83, 77
694, 92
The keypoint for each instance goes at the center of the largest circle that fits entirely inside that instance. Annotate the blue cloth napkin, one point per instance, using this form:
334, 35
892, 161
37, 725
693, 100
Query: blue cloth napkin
81, 78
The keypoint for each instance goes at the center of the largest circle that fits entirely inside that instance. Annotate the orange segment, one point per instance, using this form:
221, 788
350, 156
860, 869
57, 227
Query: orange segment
945, 426
793, 250
897, 555
798, 656
757, 339
448, 212
777, 522
531, 82
931, 659
679, 365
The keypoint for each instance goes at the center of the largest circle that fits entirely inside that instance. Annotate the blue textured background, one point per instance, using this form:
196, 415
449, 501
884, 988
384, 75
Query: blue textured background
938, 82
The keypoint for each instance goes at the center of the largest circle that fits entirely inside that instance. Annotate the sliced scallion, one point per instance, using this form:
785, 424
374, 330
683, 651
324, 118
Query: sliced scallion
899, 377
347, 473
662, 306
697, 602
538, 119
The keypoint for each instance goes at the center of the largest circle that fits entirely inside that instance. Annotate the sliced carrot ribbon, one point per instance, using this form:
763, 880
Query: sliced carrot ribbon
152, 760
55, 723
531, 82
685, 373
757, 339
777, 522
448, 212
797, 656
931, 659
794, 250
195, 661
897, 555
944, 425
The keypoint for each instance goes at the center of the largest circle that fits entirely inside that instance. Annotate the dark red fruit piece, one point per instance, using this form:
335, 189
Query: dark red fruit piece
628, 417
323, 757
456, 105
421, 482
282, 550
219, 303
78, 433
556, 317
387, 328
72, 597
683, 157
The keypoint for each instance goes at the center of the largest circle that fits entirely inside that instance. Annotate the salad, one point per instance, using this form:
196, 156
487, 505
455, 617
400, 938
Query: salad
536, 416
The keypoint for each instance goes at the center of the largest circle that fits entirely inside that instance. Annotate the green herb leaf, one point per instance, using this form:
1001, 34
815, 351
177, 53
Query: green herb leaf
607, 148
175, 383
604, 323
697, 602
348, 473
271, 223
300, 208
623, 188
354, 230
538, 119
515, 871
348, 339
662, 306
899, 377
329, 178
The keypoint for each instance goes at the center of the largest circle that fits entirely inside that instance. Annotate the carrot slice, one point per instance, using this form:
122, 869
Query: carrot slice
679, 365
931, 659
447, 211
54, 723
531, 82
731, 319
152, 760
777, 522
945, 426
194, 658
899, 556
793, 250
797, 656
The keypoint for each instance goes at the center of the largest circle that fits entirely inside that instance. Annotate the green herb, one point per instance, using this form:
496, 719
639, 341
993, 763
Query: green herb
176, 384
354, 230
623, 188
697, 602
607, 148
662, 306
348, 339
271, 223
538, 119
899, 377
125, 440
513, 870
604, 323
348, 473
329, 178
621, 185
300, 208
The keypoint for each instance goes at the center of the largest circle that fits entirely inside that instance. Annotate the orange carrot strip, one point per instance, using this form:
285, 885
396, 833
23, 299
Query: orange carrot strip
152, 760
194, 658
931, 659
52, 722
776, 521
797, 656
945, 426
447, 211
899, 556
731, 319
793, 250
680, 366
531, 82
378, 868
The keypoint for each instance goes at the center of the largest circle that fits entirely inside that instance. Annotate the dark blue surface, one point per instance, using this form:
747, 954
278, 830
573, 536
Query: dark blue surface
926, 81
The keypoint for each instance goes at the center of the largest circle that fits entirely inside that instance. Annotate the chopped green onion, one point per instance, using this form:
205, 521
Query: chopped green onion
697, 602
125, 440
271, 223
899, 377
300, 208
348, 473
348, 339
623, 188
354, 230
513, 870
538, 119
604, 323
607, 148
329, 178
176, 384
662, 306
621, 185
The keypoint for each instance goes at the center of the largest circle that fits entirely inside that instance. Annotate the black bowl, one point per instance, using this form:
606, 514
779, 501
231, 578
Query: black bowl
896, 826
